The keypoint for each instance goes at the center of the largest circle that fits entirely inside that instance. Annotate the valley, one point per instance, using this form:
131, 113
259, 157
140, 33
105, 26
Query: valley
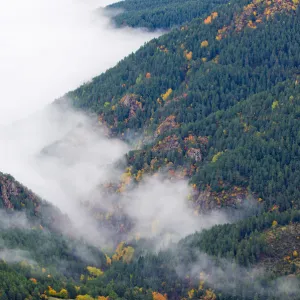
173, 174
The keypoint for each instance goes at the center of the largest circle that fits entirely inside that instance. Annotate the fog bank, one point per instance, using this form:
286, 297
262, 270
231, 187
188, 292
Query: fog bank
48, 47
65, 157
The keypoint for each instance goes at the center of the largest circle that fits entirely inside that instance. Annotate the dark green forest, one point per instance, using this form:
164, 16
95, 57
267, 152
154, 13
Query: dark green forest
234, 101
39, 262
162, 14
215, 101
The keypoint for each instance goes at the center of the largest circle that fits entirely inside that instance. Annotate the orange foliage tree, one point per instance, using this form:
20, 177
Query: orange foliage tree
208, 20
158, 296
188, 55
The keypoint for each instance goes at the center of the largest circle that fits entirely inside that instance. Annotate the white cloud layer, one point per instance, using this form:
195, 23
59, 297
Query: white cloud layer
48, 47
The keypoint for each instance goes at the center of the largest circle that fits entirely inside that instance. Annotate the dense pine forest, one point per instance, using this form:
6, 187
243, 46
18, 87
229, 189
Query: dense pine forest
162, 14
216, 102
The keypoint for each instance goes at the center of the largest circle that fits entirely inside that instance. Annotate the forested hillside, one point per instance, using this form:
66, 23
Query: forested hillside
34, 254
38, 262
16, 198
216, 102
162, 14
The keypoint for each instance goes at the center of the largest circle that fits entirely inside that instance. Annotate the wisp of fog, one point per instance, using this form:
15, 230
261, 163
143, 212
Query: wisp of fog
228, 276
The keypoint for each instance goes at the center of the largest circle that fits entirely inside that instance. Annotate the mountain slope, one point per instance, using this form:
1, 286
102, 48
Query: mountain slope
160, 14
34, 253
190, 94
216, 102
16, 198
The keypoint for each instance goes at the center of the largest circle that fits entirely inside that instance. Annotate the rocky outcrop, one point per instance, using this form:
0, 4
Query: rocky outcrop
131, 101
168, 124
167, 144
207, 199
4, 194
255, 12
13, 193
195, 154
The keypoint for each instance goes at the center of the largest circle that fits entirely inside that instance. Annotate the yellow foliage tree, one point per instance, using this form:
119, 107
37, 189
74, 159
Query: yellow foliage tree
63, 294
84, 297
119, 251
274, 223
128, 254
219, 37
139, 175
216, 60
201, 283
191, 293
167, 94
94, 271
124, 253
204, 44
216, 157
108, 260
51, 291
209, 295
102, 298
275, 104
126, 177
188, 55
251, 25
139, 79
295, 253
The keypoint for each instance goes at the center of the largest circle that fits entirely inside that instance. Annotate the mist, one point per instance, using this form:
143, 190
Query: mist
229, 277
16, 256
66, 157
15, 220
52, 46
160, 207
